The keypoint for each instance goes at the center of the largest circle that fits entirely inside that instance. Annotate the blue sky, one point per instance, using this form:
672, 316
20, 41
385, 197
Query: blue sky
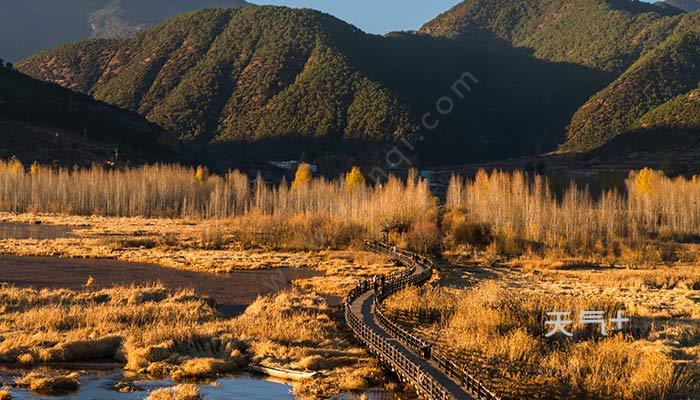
376, 16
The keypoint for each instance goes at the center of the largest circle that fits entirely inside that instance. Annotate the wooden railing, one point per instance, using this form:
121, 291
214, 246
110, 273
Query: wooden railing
419, 270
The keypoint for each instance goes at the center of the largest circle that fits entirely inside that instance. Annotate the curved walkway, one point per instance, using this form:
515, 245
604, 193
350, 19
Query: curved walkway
375, 331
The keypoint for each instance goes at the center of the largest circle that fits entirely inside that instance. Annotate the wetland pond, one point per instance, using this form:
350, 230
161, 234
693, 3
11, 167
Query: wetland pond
232, 292
12, 230
100, 385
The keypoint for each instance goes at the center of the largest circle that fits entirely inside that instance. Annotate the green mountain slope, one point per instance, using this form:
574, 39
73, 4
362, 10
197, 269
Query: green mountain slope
28, 26
41, 121
600, 34
682, 112
236, 75
669, 131
671, 70
277, 76
272, 80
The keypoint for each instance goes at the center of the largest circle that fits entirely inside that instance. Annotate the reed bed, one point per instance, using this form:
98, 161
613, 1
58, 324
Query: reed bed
520, 212
173, 191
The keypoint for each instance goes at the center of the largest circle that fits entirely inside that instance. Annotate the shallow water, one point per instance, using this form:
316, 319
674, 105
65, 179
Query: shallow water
100, 386
11, 230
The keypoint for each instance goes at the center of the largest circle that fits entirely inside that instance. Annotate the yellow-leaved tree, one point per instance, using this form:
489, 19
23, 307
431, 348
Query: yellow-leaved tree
16, 166
34, 169
354, 180
201, 174
643, 181
303, 176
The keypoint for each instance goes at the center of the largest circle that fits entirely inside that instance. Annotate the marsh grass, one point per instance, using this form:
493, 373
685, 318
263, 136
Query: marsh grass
161, 333
179, 392
498, 332
314, 214
49, 384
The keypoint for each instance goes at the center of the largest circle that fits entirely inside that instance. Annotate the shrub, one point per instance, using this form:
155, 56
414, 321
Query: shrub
424, 237
460, 231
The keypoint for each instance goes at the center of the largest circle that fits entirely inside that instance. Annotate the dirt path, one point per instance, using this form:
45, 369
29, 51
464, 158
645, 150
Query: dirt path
233, 292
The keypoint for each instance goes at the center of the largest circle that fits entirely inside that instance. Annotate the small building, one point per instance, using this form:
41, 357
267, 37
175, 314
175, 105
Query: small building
292, 165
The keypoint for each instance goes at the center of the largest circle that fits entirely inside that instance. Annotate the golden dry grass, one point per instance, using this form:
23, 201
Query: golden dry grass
549, 245
5, 394
496, 328
205, 367
49, 384
175, 244
160, 333
179, 392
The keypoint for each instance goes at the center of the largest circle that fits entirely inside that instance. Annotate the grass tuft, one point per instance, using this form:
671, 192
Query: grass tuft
50, 385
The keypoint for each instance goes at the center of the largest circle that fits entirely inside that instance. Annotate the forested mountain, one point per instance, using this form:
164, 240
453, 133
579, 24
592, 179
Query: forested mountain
27, 26
289, 81
41, 121
237, 75
277, 76
653, 49
606, 35
686, 5
674, 126
669, 71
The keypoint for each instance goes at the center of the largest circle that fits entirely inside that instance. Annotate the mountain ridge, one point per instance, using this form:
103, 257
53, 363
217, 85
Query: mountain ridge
242, 74
600, 34
42, 121
292, 81
685, 5
29, 26
658, 77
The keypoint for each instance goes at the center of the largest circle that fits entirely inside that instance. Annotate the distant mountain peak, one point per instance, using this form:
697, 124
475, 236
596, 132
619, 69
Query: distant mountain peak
28, 26
121, 18
685, 5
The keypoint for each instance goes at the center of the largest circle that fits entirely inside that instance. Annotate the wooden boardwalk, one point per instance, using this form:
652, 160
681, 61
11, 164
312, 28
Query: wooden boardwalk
364, 308
434, 376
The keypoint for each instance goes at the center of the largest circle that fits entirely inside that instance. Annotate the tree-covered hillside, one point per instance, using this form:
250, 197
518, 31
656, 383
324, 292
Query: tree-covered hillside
277, 81
607, 35
41, 121
282, 76
672, 128
27, 26
668, 71
237, 75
